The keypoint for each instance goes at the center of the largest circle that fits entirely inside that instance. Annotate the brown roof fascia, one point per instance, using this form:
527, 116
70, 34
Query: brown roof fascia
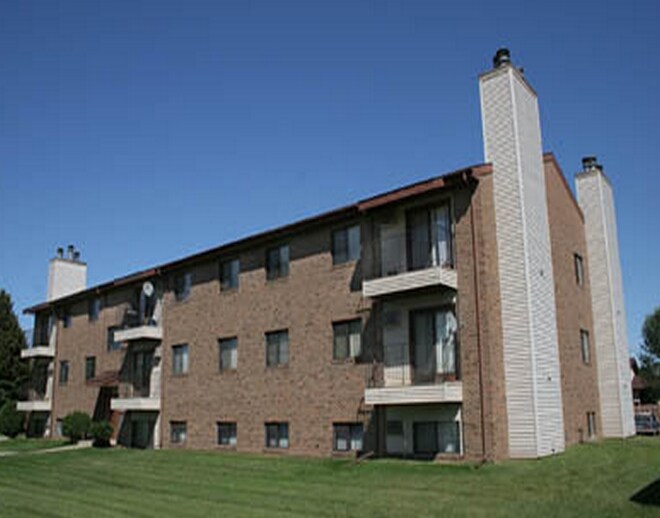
461, 176
550, 158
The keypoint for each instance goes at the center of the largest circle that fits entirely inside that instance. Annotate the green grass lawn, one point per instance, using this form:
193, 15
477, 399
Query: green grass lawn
22, 444
588, 480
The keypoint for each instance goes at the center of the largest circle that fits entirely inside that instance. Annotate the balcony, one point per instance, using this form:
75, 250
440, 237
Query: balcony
410, 261
135, 404
37, 401
41, 351
135, 326
44, 405
413, 375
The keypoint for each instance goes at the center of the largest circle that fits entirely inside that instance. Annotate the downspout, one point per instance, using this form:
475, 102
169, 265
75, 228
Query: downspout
478, 323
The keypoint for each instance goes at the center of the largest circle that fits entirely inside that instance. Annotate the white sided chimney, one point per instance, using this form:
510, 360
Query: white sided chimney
66, 274
512, 143
596, 199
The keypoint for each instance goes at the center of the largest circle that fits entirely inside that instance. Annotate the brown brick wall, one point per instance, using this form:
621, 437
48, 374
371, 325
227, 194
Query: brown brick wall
579, 380
482, 359
82, 339
310, 393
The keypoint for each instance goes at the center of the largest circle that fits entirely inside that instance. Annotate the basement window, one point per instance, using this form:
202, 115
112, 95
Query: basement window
591, 425
277, 435
227, 434
347, 437
178, 432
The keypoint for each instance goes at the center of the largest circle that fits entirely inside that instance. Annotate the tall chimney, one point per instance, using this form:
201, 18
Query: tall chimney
596, 199
66, 275
512, 143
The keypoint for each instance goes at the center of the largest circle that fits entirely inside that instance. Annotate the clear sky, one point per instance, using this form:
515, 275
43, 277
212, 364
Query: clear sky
145, 131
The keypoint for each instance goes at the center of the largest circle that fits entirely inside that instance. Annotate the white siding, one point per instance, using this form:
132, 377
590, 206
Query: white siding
611, 345
512, 142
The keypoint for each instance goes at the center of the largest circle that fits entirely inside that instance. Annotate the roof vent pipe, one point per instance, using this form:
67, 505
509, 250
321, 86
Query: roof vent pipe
69, 252
60, 252
502, 57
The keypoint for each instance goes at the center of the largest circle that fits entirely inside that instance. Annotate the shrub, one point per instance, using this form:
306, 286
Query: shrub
11, 420
101, 431
76, 425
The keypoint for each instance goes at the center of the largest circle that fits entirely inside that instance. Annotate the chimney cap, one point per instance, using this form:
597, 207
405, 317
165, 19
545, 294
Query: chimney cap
60, 252
589, 163
502, 57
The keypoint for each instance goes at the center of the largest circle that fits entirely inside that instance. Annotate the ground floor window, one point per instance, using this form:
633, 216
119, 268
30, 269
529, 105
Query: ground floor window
227, 434
347, 437
433, 437
178, 432
277, 435
591, 424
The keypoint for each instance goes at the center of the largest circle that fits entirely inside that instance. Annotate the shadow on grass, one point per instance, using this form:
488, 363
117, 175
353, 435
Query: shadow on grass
649, 495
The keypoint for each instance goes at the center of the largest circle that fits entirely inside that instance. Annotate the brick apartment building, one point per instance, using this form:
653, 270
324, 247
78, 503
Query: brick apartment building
478, 314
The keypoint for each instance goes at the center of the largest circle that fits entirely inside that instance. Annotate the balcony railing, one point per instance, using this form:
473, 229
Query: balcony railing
138, 325
403, 366
405, 252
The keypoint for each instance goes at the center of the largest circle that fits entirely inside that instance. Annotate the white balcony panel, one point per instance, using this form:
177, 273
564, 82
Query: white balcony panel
34, 406
449, 392
42, 351
436, 276
135, 403
139, 333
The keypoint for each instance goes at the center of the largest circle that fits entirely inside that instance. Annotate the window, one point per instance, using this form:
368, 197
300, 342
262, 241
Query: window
347, 339
66, 319
182, 286
94, 309
180, 359
346, 245
112, 344
277, 348
178, 432
584, 346
428, 237
227, 434
277, 435
347, 437
277, 262
64, 372
228, 353
229, 271
90, 368
433, 437
395, 428
579, 269
591, 424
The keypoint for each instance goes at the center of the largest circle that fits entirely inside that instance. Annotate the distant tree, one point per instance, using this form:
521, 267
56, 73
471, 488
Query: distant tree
650, 356
11, 421
13, 371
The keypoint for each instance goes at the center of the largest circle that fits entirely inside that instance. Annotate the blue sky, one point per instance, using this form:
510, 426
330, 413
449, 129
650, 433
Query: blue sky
145, 131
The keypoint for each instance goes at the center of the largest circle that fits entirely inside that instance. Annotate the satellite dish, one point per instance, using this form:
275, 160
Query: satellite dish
148, 289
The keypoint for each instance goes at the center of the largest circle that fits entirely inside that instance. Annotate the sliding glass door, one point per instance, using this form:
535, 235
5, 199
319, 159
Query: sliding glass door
432, 345
428, 237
